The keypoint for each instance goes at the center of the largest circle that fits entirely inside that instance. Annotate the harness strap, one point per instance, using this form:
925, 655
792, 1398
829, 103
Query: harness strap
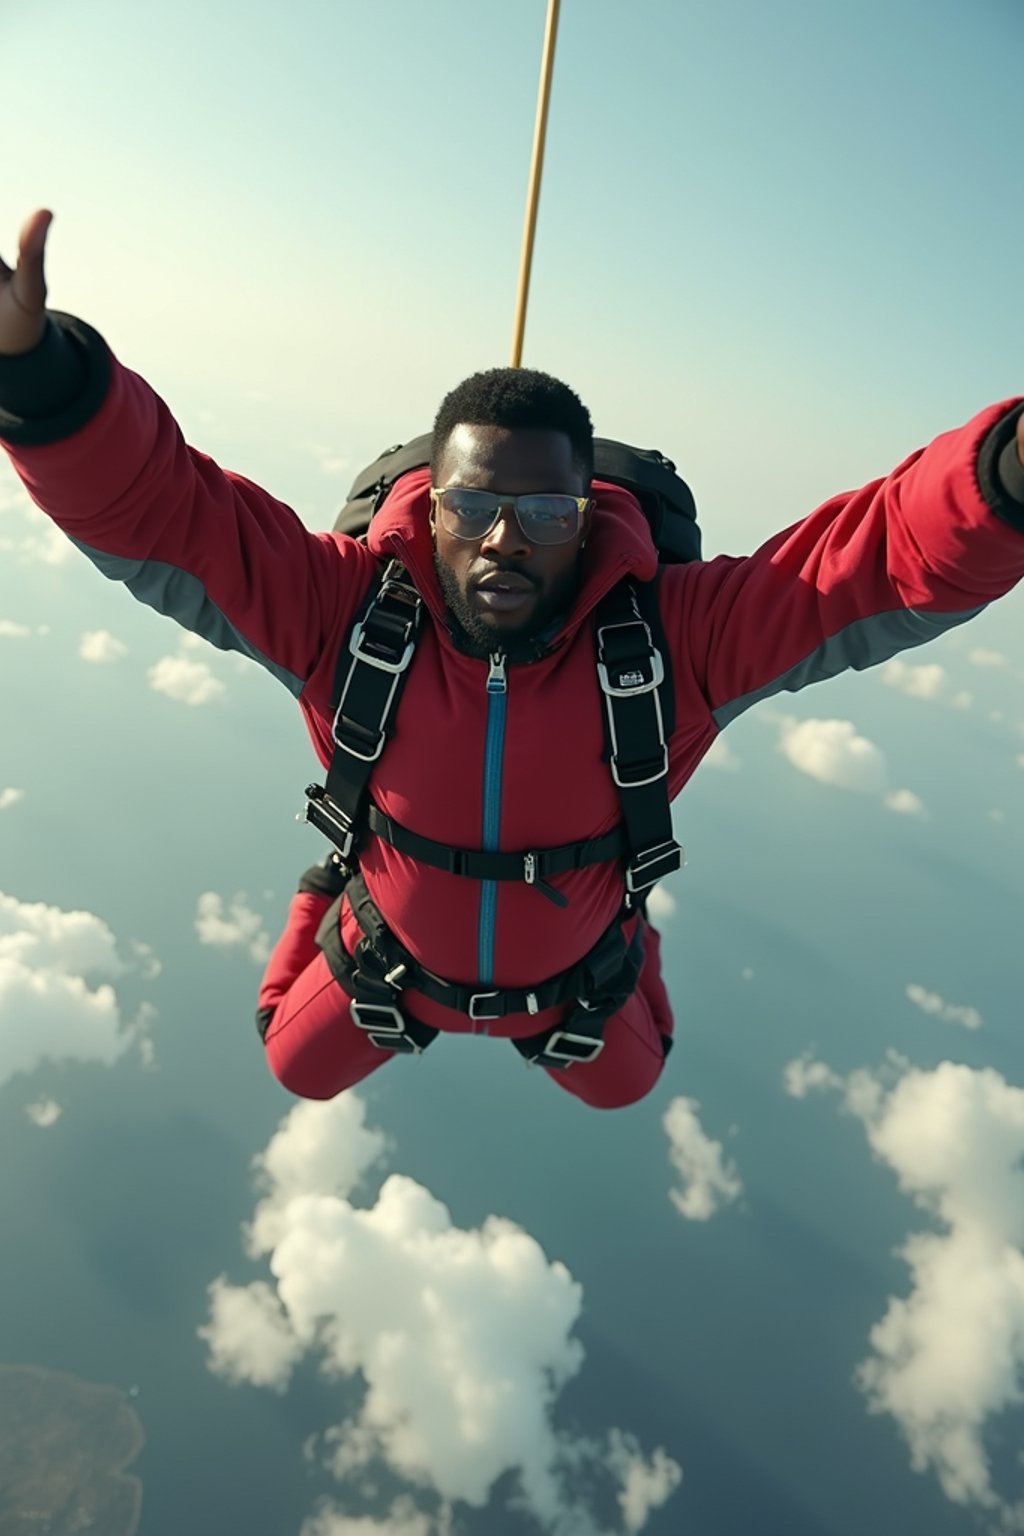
367, 688
531, 866
639, 720
382, 968
631, 672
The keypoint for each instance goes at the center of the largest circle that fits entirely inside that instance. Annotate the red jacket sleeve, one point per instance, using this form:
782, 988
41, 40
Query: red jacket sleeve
870, 573
207, 547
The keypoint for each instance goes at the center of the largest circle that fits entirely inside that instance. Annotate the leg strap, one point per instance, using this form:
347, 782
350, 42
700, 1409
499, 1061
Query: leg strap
374, 990
597, 986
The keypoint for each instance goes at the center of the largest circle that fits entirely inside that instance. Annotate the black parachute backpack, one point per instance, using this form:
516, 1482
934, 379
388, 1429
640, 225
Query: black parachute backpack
634, 675
665, 497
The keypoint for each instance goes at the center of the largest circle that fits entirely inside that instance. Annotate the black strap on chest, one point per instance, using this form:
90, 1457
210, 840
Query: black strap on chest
640, 716
637, 691
368, 685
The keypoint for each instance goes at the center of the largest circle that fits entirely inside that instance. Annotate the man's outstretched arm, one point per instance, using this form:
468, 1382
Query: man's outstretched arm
101, 454
870, 573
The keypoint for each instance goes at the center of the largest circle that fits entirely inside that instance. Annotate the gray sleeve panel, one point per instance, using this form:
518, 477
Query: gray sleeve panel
863, 644
182, 597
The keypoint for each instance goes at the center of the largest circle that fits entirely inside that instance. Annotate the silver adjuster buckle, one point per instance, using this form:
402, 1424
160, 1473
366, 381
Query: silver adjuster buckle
404, 594
475, 1004
626, 688
590, 1048
652, 865
328, 818
355, 645
384, 1025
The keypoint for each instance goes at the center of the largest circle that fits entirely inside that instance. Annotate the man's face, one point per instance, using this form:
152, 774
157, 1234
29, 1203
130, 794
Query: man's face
542, 579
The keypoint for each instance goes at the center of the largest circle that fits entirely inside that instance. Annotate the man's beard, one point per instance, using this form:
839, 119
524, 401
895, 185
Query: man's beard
527, 642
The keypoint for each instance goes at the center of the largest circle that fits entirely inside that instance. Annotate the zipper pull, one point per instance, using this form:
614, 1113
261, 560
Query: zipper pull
496, 679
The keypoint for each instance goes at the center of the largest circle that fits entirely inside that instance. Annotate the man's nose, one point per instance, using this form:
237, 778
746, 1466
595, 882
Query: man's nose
506, 538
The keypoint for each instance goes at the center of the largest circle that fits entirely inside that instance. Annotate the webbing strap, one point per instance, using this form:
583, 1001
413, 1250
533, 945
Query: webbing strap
631, 671
602, 979
638, 699
531, 865
368, 683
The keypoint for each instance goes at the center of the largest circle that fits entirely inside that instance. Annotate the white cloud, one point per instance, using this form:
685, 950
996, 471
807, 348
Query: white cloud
462, 1337
721, 755
833, 752
709, 1180
234, 927
980, 657
9, 797
45, 546
189, 682
804, 1074
100, 645
948, 1357
905, 803
48, 1009
661, 904
249, 1335
9, 630
146, 962
403, 1519
646, 1485
43, 1112
921, 682
952, 1013
963, 700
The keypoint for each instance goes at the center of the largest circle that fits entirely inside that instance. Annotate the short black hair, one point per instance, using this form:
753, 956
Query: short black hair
517, 397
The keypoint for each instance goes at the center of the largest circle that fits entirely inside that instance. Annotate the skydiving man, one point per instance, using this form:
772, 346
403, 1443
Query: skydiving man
494, 892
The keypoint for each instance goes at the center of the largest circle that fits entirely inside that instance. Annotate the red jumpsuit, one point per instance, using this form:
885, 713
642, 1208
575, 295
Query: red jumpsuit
870, 573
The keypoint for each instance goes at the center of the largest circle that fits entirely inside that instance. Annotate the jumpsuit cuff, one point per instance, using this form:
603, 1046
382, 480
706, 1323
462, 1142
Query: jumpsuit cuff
49, 393
1001, 473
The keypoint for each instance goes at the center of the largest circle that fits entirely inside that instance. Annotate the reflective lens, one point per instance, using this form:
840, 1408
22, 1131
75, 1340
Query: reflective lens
543, 519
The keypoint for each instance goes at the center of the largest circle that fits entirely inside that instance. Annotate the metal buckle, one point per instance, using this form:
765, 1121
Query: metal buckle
387, 1029
657, 665
327, 816
570, 1058
479, 997
638, 876
407, 595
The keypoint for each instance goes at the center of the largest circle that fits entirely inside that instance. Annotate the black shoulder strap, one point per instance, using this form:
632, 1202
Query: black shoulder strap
636, 682
370, 674
637, 686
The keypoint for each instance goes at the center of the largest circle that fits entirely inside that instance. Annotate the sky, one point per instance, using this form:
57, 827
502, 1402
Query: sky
782, 245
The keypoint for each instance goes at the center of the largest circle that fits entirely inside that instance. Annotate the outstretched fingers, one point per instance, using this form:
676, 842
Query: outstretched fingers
23, 288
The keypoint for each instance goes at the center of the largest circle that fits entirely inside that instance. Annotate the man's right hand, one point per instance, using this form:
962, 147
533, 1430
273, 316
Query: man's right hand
23, 289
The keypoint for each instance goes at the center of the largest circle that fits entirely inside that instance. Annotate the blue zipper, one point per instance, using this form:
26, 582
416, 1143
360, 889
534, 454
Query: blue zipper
494, 752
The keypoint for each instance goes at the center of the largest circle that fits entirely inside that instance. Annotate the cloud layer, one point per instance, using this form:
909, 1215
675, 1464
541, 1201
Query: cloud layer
49, 1011
708, 1180
184, 680
231, 925
834, 752
462, 1338
947, 1357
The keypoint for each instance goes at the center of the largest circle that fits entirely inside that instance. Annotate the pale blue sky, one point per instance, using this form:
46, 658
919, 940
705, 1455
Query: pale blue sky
780, 241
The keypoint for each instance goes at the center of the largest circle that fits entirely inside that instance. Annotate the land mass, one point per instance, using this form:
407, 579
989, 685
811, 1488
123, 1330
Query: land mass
64, 1444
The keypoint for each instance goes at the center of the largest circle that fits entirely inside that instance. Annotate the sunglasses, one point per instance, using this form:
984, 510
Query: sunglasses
543, 519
